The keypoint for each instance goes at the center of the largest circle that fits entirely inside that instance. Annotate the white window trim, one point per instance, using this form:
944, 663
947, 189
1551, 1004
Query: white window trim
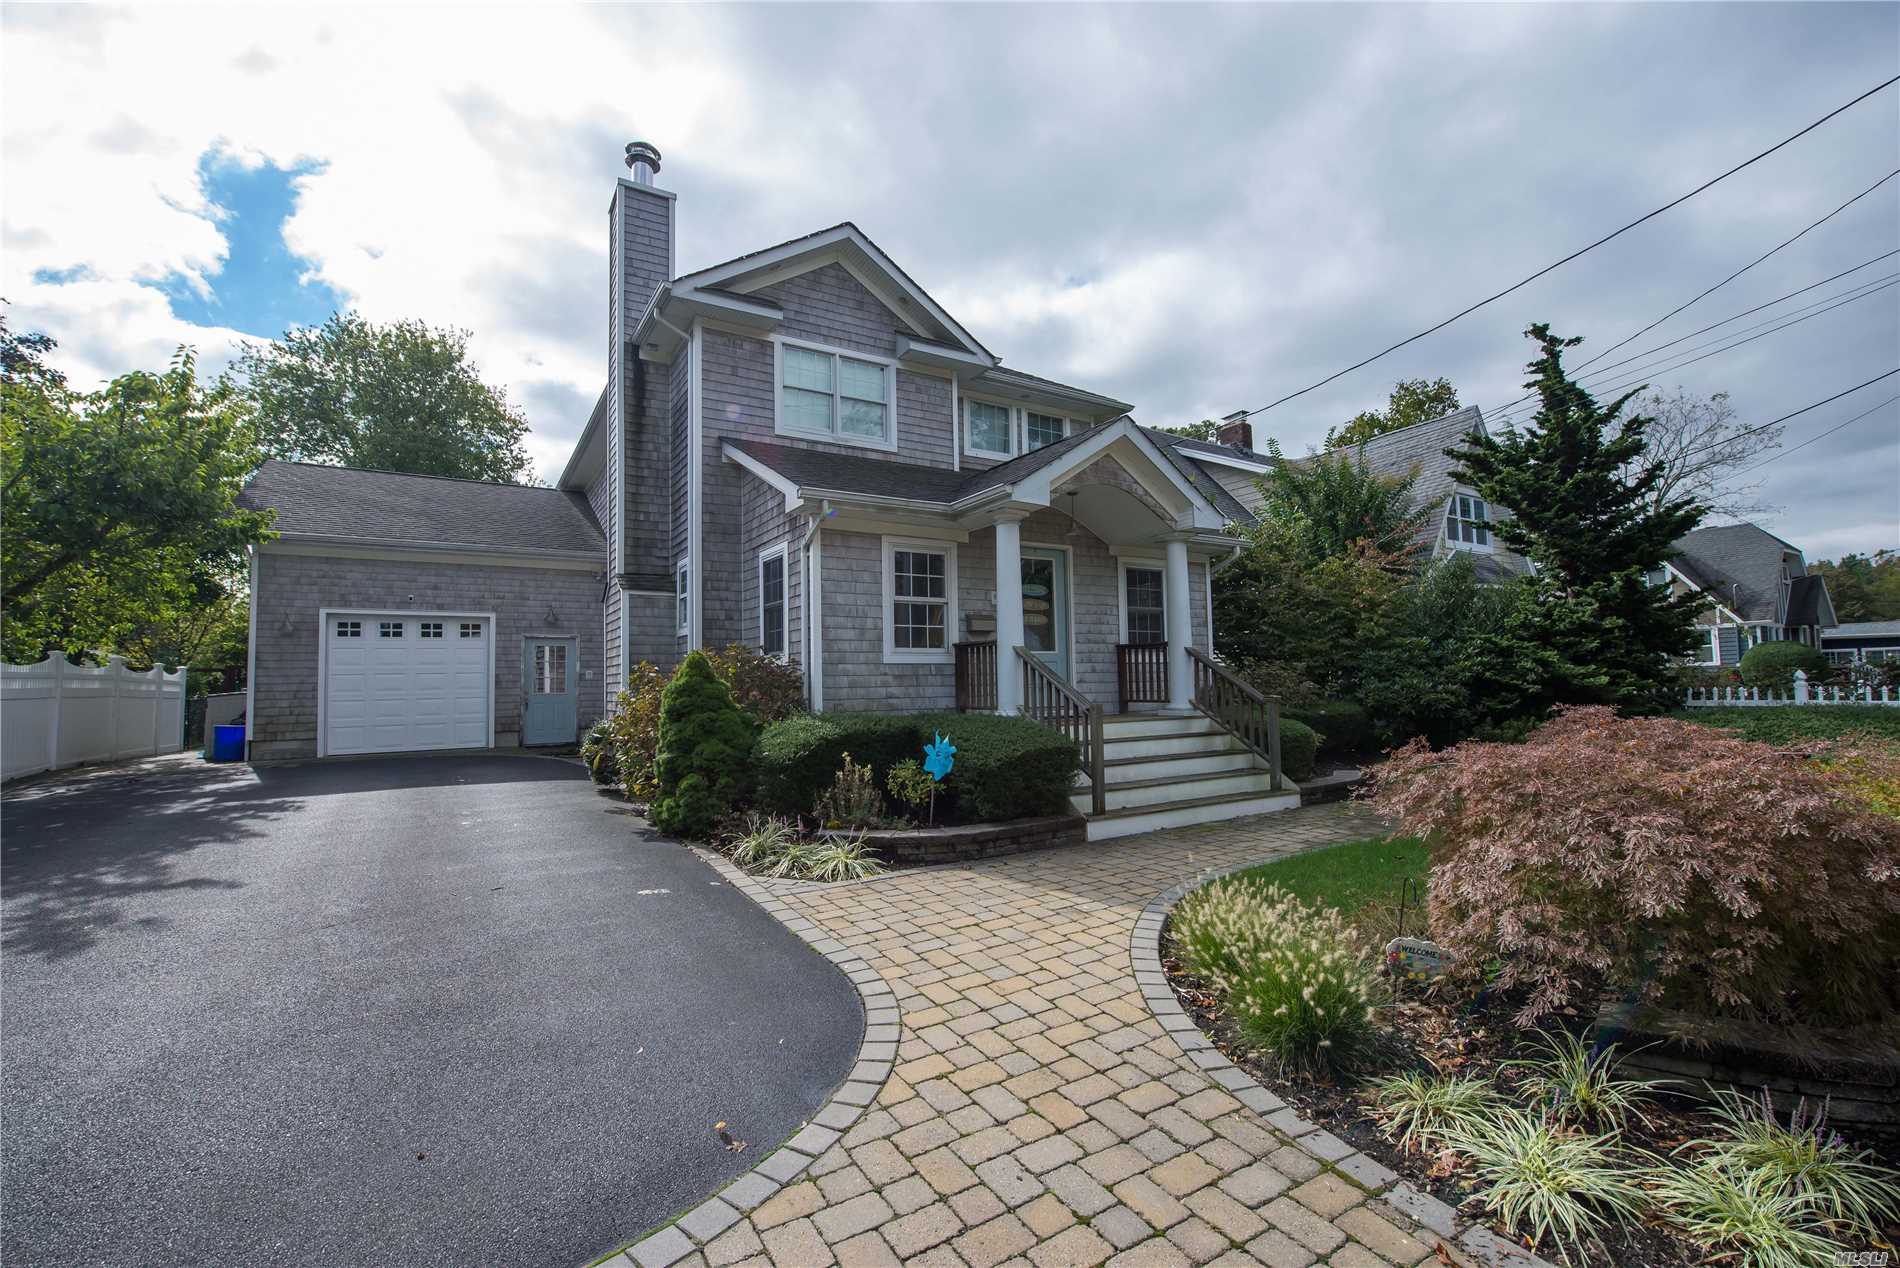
1452, 517
682, 597
835, 436
1714, 649
785, 602
1121, 590
893, 655
1018, 426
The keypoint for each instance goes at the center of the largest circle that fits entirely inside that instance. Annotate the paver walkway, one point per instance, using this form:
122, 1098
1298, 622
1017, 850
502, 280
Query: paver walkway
1037, 1113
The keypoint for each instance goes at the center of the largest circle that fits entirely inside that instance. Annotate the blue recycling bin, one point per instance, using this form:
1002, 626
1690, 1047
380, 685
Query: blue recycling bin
227, 743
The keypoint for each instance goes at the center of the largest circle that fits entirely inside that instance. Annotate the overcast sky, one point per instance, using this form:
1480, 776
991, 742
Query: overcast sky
1193, 209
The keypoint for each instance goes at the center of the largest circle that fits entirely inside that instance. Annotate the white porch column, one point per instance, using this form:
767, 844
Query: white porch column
1009, 614
1180, 626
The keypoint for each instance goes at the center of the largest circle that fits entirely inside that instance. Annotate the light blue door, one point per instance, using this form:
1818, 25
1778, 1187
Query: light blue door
1046, 607
550, 691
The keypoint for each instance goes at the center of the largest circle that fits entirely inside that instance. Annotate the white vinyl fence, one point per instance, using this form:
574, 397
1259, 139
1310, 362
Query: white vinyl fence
56, 714
1753, 697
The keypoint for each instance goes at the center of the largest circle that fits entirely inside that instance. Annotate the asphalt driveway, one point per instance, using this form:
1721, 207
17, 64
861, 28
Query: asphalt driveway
458, 1010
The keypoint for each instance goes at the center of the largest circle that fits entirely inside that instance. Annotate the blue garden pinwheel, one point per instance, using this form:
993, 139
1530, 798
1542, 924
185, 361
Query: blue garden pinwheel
939, 757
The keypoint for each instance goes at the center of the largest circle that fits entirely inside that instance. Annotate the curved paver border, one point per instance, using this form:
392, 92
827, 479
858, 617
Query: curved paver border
1144, 949
877, 1054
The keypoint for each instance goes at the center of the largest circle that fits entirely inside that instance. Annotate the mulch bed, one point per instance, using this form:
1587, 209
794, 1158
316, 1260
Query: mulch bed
1475, 1038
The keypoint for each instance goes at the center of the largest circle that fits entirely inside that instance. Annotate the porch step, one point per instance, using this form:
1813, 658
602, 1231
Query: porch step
1180, 814
1128, 726
1204, 737
1172, 789
1124, 770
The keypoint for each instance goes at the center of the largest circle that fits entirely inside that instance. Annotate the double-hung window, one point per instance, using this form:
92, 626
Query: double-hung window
772, 602
1144, 604
835, 396
1711, 652
1469, 521
920, 604
989, 430
681, 594
1042, 429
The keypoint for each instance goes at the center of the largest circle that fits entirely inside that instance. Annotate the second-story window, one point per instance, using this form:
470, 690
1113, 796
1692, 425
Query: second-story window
834, 395
988, 429
1042, 429
1469, 523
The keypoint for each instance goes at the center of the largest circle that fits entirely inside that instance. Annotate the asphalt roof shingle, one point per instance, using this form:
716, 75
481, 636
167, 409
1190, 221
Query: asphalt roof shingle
1739, 565
390, 506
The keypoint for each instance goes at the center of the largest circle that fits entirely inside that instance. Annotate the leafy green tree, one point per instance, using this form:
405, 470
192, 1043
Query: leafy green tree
1863, 587
1207, 429
1328, 503
1579, 485
120, 529
1412, 401
705, 748
396, 397
1455, 657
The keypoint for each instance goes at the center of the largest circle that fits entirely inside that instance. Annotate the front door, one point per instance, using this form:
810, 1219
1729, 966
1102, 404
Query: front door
551, 693
1046, 607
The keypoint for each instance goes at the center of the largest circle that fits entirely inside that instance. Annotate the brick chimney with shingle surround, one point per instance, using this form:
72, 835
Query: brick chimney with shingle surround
1235, 430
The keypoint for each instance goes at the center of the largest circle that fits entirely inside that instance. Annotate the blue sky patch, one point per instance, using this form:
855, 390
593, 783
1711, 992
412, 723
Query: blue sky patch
258, 290
60, 277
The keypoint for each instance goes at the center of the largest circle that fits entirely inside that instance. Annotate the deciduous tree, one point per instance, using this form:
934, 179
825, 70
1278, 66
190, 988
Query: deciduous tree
1702, 450
1412, 401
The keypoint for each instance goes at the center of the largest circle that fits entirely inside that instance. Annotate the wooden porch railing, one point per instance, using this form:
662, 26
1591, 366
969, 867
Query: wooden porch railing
1250, 717
976, 676
1141, 669
1048, 698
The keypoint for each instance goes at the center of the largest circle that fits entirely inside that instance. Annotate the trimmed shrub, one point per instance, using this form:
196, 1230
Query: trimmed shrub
1006, 768
634, 726
1771, 666
1299, 743
1343, 725
1296, 980
705, 751
1657, 858
1800, 725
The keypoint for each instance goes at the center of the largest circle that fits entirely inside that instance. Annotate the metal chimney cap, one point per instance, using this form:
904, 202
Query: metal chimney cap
643, 160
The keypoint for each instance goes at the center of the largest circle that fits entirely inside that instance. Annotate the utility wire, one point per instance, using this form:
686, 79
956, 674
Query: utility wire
1627, 378
1574, 254
1750, 431
1511, 405
1751, 264
1823, 436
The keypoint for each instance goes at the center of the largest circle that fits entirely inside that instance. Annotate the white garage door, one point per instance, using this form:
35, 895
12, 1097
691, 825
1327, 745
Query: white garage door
401, 681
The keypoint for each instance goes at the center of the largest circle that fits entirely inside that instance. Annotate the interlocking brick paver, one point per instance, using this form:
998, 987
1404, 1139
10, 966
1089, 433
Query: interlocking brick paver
1023, 1107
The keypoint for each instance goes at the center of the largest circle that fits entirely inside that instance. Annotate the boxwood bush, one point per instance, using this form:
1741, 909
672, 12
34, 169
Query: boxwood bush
1343, 726
1298, 745
1771, 666
1006, 768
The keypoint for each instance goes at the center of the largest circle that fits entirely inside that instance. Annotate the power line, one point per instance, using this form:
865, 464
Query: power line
1750, 431
1511, 405
1574, 254
1823, 436
1751, 264
1602, 389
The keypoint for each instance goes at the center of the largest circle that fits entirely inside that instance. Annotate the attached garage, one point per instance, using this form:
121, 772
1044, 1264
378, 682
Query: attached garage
398, 682
397, 613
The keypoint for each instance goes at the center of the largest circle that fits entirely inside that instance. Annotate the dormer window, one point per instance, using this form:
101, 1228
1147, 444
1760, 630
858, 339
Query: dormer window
830, 395
989, 430
1468, 523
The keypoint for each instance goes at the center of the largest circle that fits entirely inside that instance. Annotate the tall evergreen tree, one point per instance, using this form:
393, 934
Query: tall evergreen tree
1581, 487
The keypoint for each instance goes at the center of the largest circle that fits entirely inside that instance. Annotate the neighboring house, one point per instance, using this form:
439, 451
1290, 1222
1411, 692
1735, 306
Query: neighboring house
1861, 641
1758, 588
798, 450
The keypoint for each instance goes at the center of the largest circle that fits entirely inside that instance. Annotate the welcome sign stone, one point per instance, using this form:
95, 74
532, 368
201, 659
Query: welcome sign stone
1415, 959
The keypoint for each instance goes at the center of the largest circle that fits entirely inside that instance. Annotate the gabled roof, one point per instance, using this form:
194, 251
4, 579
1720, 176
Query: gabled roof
1808, 602
1739, 566
392, 508
1179, 450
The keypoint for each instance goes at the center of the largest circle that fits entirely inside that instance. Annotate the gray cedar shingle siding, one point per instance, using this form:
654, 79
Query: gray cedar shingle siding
765, 524
293, 589
650, 634
856, 677
828, 305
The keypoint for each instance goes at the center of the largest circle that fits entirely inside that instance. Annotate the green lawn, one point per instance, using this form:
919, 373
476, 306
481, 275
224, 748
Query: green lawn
1794, 724
1360, 878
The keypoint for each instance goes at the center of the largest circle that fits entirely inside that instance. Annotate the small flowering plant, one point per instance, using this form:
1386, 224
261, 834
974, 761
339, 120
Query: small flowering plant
1297, 981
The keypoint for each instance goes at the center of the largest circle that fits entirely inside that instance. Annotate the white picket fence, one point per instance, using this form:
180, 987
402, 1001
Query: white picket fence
57, 714
1804, 694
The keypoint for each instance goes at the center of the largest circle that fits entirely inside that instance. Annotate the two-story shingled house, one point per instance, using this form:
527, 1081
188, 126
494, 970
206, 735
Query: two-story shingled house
801, 451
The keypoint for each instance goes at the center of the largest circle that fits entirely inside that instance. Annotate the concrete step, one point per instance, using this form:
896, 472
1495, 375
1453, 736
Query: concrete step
1173, 789
1124, 726
1121, 823
1123, 770
1206, 738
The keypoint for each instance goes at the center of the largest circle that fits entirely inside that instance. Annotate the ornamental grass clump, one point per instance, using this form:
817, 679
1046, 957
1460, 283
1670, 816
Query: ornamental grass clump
1577, 1083
1803, 1159
1423, 1111
1662, 860
1297, 982
1547, 1180
1742, 1217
